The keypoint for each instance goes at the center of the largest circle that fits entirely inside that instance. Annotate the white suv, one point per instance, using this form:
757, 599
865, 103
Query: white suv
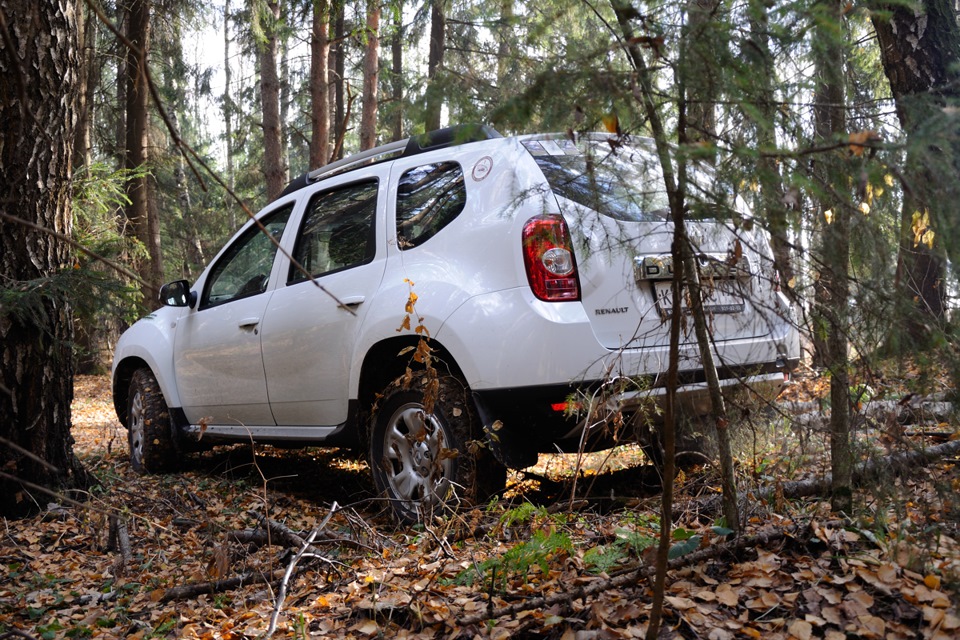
540, 266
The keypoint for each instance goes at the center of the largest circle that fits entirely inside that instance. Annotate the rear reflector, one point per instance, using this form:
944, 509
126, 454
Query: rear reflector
549, 259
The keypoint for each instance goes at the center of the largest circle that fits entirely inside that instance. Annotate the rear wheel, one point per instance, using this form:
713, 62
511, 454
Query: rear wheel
152, 447
425, 463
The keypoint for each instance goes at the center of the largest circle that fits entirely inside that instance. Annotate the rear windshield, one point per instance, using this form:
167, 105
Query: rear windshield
624, 183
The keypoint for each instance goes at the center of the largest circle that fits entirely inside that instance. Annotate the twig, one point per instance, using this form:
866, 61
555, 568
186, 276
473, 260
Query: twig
76, 245
16, 633
119, 540
282, 594
29, 454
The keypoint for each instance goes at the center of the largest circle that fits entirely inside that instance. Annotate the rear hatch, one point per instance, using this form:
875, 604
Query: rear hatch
613, 198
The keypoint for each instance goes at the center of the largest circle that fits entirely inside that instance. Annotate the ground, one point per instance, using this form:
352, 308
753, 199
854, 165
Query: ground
552, 558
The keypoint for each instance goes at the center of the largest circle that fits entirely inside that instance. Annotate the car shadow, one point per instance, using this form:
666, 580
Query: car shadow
324, 476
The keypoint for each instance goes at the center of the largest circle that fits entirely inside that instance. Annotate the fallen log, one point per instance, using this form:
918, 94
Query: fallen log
895, 463
193, 590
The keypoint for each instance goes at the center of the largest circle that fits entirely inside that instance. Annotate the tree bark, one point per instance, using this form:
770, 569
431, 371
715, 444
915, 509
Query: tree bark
138, 99
339, 66
434, 93
320, 85
371, 70
88, 83
920, 51
273, 170
38, 76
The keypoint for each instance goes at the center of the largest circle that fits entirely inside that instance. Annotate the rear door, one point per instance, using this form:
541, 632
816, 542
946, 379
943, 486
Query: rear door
312, 321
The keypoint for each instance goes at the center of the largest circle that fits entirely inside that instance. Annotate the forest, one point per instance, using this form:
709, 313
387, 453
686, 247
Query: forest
137, 136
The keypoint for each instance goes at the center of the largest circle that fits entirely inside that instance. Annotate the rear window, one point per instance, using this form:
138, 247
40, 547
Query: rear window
623, 183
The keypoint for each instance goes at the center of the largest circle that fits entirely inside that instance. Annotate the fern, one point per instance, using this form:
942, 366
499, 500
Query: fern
539, 551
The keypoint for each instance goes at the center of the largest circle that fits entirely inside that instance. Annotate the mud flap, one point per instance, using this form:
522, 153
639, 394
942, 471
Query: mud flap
506, 445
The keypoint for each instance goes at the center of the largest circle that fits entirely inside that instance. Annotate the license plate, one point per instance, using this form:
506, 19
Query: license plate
719, 296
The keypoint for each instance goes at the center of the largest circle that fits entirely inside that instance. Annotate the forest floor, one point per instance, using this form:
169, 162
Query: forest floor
552, 558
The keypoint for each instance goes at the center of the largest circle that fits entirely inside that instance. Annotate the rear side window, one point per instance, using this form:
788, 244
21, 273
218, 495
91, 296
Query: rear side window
429, 198
337, 231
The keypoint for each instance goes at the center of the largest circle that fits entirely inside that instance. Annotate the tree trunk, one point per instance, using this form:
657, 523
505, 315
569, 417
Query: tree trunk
834, 217
371, 69
320, 85
920, 51
227, 106
434, 93
138, 100
38, 76
120, 122
396, 47
505, 61
273, 169
761, 114
339, 66
283, 45
701, 53
648, 100
700, 63
88, 83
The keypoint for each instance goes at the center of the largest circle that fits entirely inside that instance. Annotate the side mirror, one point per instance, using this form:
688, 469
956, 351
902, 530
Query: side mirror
177, 294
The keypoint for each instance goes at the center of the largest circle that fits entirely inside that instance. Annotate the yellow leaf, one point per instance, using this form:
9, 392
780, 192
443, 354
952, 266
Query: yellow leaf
611, 122
828, 216
932, 581
865, 208
859, 139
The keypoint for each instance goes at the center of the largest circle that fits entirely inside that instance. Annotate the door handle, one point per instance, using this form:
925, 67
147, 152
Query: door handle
249, 323
351, 301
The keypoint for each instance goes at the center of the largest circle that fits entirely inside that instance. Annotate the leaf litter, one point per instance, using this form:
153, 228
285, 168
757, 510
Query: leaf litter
526, 565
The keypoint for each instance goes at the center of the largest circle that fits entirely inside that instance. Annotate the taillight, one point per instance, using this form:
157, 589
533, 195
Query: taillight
549, 260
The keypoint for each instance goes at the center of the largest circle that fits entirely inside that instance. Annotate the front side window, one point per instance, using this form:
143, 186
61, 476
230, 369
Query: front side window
244, 269
337, 232
428, 199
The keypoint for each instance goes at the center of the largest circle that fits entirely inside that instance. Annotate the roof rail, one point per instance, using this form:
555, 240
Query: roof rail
439, 139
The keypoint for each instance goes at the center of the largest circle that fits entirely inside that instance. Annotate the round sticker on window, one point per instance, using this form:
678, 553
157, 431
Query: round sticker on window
483, 168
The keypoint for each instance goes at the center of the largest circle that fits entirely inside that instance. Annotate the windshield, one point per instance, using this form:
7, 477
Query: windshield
622, 181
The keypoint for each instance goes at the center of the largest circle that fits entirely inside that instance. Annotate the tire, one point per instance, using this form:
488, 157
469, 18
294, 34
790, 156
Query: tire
149, 431
429, 464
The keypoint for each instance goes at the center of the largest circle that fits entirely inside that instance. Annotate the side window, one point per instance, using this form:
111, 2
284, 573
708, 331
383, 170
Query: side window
337, 231
244, 269
428, 199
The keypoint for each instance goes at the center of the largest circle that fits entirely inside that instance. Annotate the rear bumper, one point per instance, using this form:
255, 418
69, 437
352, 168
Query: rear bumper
530, 420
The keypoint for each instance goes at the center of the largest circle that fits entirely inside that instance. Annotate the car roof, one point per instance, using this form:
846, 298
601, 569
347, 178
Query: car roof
414, 145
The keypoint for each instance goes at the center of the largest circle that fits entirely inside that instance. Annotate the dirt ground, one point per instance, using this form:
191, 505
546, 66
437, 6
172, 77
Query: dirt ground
562, 554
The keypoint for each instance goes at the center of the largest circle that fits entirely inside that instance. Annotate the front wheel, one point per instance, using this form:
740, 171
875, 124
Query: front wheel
425, 463
152, 448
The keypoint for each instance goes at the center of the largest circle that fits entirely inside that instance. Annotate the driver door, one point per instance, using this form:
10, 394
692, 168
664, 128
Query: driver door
217, 352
